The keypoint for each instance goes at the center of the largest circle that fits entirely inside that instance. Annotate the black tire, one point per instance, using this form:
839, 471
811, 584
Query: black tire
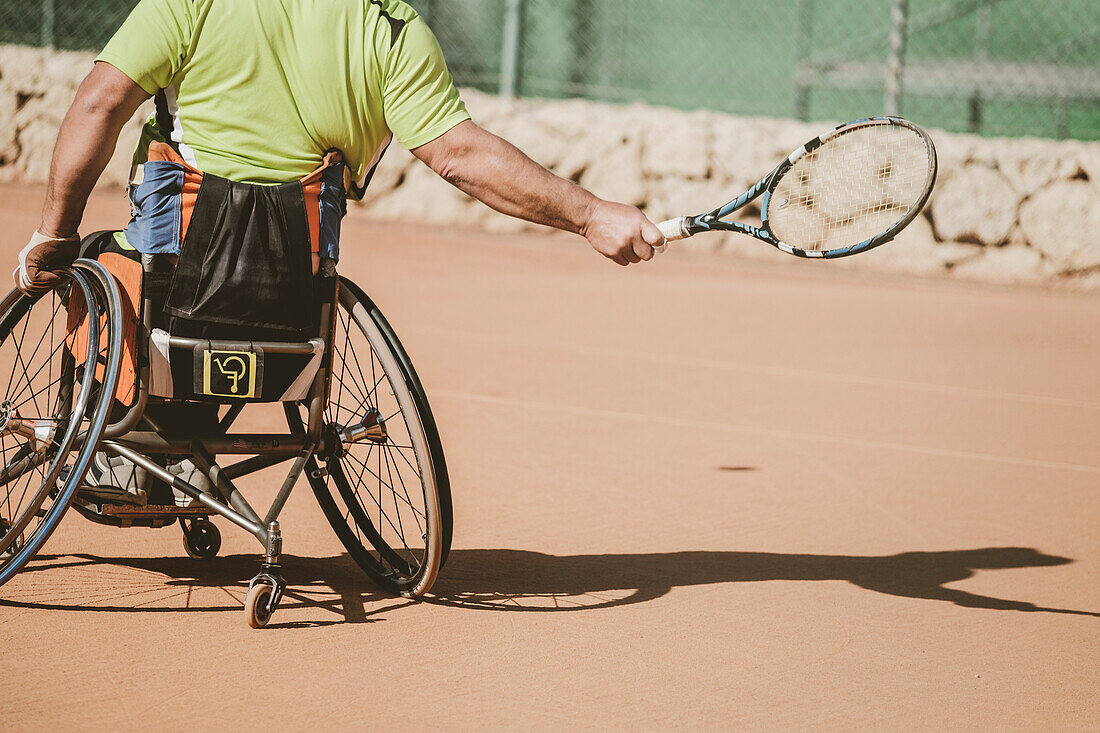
389, 502
75, 402
201, 539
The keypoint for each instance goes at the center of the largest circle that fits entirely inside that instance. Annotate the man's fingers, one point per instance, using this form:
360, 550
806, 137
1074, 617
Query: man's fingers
644, 251
651, 234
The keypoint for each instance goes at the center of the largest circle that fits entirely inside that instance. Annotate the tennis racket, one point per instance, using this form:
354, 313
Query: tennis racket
845, 192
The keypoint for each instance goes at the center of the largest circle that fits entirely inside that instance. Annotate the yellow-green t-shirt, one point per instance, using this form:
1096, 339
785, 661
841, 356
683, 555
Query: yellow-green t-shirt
257, 90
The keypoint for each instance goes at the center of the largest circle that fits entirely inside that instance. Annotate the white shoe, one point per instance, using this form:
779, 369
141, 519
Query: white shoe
115, 480
190, 473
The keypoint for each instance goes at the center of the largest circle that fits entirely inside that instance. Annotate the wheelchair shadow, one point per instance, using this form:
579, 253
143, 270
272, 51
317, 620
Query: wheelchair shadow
84, 582
498, 580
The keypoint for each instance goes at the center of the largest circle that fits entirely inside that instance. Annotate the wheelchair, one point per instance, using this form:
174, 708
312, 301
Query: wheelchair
88, 377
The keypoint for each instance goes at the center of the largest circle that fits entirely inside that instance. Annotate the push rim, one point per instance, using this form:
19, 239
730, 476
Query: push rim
39, 388
101, 294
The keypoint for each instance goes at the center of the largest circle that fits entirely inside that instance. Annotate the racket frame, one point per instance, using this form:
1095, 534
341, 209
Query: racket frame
713, 220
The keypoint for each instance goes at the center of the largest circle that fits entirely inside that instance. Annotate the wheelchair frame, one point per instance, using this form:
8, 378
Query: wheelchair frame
313, 439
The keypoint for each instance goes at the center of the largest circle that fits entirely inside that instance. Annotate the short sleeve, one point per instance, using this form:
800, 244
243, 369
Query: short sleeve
420, 101
151, 45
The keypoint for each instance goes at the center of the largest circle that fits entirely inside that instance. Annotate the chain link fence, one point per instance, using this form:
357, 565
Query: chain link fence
995, 67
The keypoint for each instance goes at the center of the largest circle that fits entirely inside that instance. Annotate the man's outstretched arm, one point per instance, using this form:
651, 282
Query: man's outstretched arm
500, 175
106, 100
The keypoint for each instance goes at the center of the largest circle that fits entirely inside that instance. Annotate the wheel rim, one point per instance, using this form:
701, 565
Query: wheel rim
38, 385
383, 487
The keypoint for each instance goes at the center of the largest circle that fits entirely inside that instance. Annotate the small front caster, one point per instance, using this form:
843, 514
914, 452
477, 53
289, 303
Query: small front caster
201, 538
257, 605
264, 593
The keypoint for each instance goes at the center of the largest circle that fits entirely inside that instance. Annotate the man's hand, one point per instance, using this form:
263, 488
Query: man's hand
38, 260
621, 233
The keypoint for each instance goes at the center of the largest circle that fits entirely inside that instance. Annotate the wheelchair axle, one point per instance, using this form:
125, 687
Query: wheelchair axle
40, 433
372, 427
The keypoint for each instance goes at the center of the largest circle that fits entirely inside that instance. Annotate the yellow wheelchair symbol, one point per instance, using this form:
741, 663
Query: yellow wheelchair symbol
230, 374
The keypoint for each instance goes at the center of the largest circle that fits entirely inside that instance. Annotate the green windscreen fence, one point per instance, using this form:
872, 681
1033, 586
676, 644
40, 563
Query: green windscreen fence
995, 67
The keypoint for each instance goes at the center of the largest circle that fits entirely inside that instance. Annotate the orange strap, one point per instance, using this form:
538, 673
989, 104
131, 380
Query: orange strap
127, 275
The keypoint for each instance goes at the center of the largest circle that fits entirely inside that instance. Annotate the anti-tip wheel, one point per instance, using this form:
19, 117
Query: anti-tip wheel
201, 539
257, 605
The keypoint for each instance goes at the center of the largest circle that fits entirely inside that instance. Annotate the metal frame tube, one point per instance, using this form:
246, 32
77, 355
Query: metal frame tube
176, 482
288, 485
229, 492
252, 465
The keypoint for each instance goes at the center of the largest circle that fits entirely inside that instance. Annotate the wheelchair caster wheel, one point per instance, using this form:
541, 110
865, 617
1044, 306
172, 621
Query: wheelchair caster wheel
201, 538
257, 605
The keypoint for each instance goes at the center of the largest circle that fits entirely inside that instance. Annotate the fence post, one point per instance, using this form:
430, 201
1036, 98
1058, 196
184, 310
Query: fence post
511, 48
983, 23
802, 74
47, 23
895, 64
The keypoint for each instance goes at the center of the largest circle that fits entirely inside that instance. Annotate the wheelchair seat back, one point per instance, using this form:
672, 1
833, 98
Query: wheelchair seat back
233, 304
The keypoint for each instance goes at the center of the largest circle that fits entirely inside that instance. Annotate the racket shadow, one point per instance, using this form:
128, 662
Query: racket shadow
520, 580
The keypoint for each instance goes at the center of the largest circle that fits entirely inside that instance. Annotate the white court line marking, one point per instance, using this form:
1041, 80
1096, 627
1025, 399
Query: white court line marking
775, 371
769, 432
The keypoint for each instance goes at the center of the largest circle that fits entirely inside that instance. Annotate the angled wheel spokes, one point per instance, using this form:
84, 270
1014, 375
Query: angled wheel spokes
386, 491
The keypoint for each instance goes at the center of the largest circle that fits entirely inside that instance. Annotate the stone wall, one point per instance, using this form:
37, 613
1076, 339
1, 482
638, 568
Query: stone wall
1019, 210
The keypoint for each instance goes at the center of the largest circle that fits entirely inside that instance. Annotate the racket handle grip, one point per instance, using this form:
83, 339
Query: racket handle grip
674, 229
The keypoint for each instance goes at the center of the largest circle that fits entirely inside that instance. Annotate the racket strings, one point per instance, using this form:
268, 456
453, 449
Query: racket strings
852, 188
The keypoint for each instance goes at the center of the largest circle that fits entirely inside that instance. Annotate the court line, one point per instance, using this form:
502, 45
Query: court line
775, 371
767, 432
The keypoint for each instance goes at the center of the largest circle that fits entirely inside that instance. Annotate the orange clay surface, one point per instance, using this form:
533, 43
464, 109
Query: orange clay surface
699, 494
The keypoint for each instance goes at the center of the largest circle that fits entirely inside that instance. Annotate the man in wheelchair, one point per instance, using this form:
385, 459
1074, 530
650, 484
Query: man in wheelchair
222, 289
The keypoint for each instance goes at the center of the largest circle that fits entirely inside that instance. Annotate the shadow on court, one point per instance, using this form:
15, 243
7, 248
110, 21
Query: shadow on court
516, 580
500, 580
83, 582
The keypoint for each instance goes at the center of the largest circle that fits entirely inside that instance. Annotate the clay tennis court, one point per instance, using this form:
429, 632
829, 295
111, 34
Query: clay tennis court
701, 494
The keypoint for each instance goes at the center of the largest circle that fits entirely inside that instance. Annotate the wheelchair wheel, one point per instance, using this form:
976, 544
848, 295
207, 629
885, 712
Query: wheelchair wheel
52, 409
386, 495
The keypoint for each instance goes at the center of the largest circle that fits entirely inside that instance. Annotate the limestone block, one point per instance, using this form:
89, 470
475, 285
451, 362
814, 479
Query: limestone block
423, 197
1063, 222
952, 152
915, 250
1088, 158
487, 109
617, 175
1030, 164
977, 205
542, 143
571, 118
742, 153
670, 197
1012, 264
392, 170
678, 145
9, 148
589, 147
36, 141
